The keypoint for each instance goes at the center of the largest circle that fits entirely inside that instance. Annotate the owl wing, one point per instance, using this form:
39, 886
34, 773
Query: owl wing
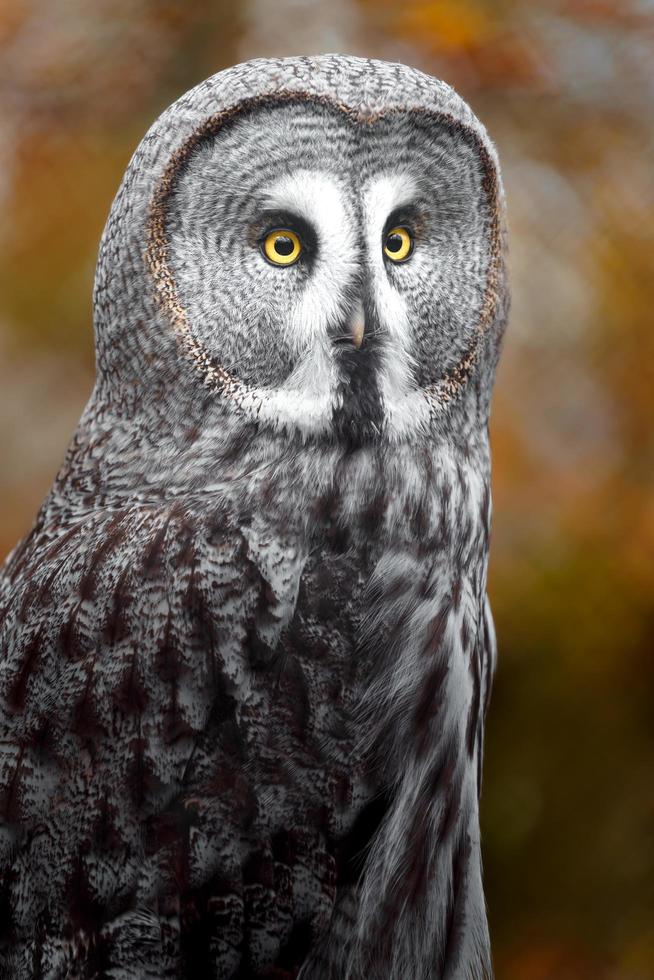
174, 754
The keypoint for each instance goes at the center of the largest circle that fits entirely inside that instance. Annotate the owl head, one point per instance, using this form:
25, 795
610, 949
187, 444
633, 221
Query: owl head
312, 245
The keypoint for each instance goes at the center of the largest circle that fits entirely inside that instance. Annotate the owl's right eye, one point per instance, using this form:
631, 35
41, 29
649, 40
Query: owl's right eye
282, 247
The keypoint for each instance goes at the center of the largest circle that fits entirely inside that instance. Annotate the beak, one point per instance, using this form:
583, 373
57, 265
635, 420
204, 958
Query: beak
357, 325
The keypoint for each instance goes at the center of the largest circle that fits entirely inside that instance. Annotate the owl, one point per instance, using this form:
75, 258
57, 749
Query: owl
246, 650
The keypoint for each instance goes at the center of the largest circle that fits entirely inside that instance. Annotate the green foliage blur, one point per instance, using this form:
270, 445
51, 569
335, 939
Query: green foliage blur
566, 89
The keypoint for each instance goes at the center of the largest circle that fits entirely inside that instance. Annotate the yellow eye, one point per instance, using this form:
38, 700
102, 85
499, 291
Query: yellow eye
398, 244
282, 247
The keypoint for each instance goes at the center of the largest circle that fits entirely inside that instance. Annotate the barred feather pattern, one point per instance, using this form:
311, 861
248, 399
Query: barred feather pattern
244, 665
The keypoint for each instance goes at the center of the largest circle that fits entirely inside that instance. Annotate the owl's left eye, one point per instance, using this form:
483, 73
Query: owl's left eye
282, 246
398, 244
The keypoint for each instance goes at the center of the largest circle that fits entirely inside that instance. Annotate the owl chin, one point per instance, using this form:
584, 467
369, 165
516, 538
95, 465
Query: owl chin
358, 413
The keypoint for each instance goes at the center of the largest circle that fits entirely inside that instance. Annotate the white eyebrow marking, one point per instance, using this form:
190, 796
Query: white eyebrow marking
405, 407
382, 196
316, 198
320, 200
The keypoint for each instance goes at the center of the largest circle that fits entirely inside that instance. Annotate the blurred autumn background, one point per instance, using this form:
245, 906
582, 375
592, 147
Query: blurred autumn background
566, 88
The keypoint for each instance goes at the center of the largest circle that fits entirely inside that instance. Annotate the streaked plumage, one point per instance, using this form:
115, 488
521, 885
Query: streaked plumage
246, 649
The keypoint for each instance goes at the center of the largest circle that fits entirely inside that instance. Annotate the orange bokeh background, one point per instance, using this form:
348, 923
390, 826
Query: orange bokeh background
566, 89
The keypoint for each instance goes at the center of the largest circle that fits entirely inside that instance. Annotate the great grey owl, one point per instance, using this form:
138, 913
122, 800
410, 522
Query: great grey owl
246, 648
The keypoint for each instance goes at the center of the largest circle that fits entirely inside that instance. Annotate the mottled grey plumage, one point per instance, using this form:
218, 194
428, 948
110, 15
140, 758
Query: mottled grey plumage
246, 649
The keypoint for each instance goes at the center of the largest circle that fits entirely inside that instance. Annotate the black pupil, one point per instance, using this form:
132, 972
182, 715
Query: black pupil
284, 245
394, 243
